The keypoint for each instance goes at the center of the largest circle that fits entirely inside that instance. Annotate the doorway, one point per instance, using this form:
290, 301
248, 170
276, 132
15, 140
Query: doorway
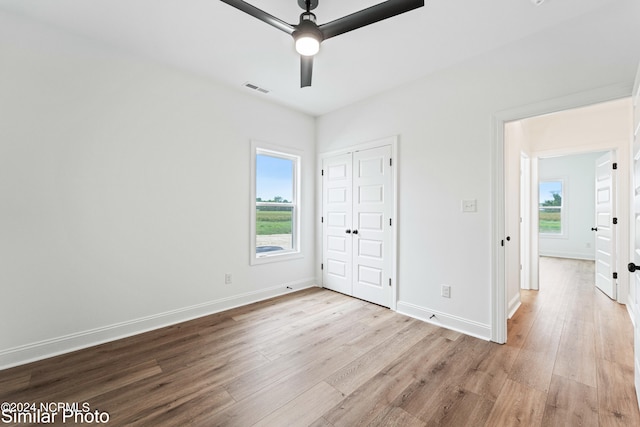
358, 229
589, 135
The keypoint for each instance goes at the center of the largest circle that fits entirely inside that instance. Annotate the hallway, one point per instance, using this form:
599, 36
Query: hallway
574, 345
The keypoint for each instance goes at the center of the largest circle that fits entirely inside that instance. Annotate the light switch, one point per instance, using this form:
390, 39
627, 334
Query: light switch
469, 205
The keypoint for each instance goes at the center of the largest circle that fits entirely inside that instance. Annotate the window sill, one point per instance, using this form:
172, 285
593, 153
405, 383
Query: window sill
268, 258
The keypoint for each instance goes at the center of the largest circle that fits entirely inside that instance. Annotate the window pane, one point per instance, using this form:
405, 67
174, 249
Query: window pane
550, 220
274, 225
274, 179
550, 207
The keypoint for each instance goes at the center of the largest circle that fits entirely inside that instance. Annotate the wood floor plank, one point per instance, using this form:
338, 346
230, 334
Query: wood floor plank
461, 408
282, 390
535, 361
255, 380
396, 417
440, 388
570, 403
576, 358
304, 409
372, 398
488, 378
355, 374
12, 384
518, 405
617, 402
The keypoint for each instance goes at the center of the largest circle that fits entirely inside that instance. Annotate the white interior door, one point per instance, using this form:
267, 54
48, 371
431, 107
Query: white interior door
634, 294
605, 233
337, 216
372, 209
357, 199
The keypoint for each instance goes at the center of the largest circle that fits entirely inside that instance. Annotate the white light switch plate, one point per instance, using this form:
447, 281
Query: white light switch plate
469, 205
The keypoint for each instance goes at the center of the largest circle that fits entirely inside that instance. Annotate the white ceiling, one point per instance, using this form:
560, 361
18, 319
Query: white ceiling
211, 38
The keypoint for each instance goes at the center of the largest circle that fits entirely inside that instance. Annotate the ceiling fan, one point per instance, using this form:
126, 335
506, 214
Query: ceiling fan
308, 35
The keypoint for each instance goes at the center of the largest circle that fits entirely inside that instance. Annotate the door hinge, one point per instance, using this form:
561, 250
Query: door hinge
321, 266
322, 172
614, 165
389, 281
322, 219
389, 222
615, 275
615, 220
390, 161
501, 242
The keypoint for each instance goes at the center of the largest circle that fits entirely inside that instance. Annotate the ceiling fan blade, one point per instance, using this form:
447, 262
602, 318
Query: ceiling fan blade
306, 70
368, 16
261, 15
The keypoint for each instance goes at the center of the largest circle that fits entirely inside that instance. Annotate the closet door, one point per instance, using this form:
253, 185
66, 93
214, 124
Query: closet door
336, 231
372, 207
357, 233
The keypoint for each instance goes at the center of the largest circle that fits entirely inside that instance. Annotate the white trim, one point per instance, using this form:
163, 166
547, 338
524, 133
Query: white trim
64, 344
284, 153
514, 305
455, 323
570, 255
498, 292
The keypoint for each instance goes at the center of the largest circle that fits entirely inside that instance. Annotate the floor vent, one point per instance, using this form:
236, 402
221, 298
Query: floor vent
254, 87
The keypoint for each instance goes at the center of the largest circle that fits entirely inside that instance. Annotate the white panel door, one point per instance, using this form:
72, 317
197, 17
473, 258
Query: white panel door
372, 207
634, 294
337, 213
357, 235
605, 233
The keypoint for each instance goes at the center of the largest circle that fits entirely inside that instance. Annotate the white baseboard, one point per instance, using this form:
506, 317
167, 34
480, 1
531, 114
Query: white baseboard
570, 255
72, 342
514, 305
458, 324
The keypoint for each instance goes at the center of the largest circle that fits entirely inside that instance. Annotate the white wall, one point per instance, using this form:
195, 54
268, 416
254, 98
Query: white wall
124, 194
444, 123
578, 173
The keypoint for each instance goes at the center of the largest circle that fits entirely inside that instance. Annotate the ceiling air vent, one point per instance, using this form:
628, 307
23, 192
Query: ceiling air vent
254, 87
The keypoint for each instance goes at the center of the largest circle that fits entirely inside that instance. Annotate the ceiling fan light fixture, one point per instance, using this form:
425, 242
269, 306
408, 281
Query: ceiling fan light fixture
307, 45
307, 35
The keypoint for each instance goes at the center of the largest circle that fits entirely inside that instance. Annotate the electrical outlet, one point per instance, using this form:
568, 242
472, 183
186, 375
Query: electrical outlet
445, 291
227, 279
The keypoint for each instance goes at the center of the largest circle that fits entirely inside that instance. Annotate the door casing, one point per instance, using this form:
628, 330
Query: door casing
498, 267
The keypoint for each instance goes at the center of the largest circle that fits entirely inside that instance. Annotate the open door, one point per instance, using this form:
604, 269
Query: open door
634, 266
605, 232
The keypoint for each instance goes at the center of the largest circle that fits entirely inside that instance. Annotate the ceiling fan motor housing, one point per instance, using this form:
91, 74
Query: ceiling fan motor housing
307, 28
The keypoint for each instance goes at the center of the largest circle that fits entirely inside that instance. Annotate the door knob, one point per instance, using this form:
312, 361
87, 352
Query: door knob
633, 268
348, 231
594, 228
355, 231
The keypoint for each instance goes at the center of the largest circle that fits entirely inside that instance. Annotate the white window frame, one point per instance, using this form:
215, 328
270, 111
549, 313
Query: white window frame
257, 148
563, 209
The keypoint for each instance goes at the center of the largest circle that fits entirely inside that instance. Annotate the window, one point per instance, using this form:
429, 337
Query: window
275, 212
551, 214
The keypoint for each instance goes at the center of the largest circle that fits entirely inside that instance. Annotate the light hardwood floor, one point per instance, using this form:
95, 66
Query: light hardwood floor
318, 358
